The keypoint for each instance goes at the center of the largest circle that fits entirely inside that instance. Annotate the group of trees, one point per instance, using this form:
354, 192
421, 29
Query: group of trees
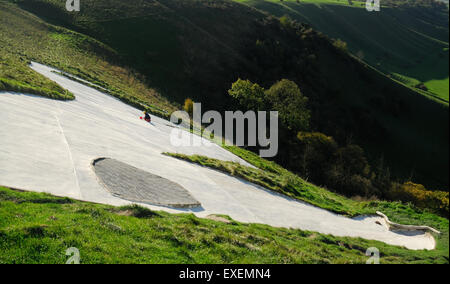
342, 168
284, 96
313, 155
318, 157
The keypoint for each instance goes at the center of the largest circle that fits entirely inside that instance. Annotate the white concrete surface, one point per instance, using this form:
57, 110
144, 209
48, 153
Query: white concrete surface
48, 145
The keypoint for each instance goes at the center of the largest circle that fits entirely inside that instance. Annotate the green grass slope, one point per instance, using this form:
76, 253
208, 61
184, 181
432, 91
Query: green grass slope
25, 37
171, 42
39, 228
408, 43
16, 76
196, 49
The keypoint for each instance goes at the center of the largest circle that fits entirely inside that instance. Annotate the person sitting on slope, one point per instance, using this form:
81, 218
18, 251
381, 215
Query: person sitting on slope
147, 117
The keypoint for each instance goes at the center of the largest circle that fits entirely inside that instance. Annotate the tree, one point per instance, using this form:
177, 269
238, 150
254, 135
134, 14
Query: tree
188, 106
249, 95
286, 21
353, 160
317, 154
286, 98
340, 44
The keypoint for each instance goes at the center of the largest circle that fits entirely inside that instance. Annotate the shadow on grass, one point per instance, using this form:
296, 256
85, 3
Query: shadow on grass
135, 211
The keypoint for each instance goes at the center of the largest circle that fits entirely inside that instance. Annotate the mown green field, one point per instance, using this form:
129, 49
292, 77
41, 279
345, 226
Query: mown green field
406, 43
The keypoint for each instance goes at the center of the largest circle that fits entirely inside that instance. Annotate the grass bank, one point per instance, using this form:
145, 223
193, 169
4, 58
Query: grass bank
16, 76
119, 94
39, 228
272, 176
26, 38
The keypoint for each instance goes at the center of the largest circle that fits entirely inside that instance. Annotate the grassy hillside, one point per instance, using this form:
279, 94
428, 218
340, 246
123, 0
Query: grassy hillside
39, 228
410, 44
16, 76
196, 49
25, 37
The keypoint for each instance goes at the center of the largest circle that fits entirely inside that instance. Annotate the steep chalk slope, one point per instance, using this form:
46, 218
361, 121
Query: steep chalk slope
49, 146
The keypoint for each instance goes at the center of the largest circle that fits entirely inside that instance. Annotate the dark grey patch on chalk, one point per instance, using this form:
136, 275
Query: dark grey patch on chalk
133, 184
